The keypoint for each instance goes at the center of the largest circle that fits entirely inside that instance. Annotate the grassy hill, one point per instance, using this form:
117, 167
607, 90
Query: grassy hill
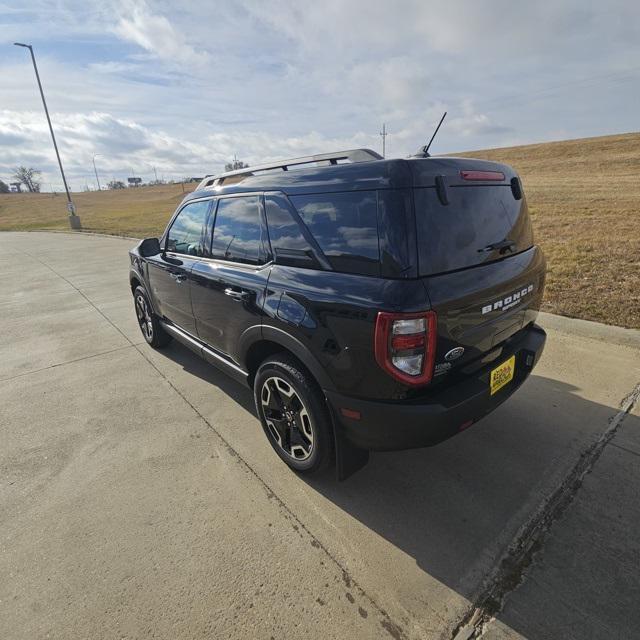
584, 198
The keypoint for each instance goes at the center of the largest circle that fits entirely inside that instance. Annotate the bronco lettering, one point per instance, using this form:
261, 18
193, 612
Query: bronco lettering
509, 301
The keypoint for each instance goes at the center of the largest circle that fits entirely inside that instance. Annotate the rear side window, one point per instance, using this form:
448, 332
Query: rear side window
284, 230
395, 220
185, 234
345, 226
237, 231
290, 241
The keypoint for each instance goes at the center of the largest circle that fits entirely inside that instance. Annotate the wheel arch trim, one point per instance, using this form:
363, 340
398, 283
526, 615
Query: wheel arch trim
136, 276
289, 343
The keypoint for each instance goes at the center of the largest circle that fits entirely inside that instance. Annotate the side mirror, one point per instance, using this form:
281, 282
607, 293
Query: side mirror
149, 247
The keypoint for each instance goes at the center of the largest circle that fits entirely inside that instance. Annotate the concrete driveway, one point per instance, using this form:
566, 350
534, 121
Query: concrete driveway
139, 497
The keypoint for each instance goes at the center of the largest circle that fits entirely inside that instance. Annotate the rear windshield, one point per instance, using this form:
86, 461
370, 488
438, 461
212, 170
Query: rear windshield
461, 233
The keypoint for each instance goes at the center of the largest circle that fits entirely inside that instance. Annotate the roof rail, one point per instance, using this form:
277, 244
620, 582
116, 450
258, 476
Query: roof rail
352, 155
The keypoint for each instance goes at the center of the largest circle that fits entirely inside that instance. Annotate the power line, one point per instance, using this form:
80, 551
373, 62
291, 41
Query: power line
620, 76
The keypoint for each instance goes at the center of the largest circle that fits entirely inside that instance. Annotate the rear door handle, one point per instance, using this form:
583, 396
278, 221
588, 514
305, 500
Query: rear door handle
235, 294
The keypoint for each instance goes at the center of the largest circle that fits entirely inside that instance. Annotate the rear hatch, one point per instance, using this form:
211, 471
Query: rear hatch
483, 274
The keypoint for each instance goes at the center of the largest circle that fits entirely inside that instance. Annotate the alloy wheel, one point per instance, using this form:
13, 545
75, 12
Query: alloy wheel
144, 317
287, 418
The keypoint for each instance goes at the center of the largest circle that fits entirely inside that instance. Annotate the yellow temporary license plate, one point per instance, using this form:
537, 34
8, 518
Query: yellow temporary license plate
503, 374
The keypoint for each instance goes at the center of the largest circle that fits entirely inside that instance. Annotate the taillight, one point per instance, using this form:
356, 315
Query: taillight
482, 175
405, 345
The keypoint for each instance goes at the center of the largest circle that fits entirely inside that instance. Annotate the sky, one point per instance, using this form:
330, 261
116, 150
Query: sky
182, 87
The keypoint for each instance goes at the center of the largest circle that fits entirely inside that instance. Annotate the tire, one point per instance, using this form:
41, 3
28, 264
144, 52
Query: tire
148, 322
294, 414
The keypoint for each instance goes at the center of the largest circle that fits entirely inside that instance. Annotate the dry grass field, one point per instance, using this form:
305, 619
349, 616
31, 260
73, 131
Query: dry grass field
141, 212
584, 197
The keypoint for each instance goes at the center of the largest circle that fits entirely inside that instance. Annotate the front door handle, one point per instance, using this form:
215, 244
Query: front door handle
235, 294
178, 277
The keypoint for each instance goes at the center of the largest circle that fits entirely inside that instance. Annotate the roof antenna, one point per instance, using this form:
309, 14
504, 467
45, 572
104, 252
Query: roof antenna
423, 152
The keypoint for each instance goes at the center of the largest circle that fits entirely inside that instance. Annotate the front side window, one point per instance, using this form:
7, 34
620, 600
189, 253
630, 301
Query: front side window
237, 232
346, 228
185, 234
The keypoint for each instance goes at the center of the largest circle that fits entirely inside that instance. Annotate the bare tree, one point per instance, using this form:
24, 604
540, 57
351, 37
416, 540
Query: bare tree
29, 177
236, 164
116, 184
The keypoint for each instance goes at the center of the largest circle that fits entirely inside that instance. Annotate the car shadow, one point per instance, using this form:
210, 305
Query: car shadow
456, 507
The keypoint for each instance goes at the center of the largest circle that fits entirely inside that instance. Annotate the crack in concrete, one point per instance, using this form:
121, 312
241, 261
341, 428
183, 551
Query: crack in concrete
391, 627
626, 449
512, 568
82, 232
386, 622
67, 362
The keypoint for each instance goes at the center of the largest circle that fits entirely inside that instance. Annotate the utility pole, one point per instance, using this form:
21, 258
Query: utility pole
384, 134
95, 155
155, 172
74, 220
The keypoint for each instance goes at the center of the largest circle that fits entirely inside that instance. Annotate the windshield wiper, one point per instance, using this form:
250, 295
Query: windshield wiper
502, 246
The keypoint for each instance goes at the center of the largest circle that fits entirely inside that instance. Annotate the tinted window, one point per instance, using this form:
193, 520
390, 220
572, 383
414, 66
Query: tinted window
185, 234
287, 235
395, 219
460, 234
284, 230
345, 227
237, 233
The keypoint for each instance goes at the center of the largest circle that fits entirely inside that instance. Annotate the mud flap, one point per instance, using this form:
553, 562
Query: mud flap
349, 458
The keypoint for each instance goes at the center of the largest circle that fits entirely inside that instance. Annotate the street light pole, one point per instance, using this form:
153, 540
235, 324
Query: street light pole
95, 155
74, 220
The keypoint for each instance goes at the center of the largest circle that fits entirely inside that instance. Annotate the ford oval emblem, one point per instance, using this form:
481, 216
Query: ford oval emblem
454, 354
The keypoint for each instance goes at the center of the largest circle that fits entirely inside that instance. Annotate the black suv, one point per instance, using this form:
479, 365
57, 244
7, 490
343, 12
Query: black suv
371, 304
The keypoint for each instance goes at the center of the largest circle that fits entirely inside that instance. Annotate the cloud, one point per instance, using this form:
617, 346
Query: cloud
121, 144
125, 146
185, 86
154, 33
335, 27
474, 123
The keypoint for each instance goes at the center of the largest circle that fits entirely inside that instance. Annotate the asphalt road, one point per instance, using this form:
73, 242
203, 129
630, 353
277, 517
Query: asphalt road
139, 497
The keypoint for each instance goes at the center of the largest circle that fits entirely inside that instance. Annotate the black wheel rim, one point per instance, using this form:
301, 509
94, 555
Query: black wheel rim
287, 419
144, 317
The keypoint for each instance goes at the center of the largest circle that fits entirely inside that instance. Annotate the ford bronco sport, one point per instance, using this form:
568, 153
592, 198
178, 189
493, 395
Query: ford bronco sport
370, 304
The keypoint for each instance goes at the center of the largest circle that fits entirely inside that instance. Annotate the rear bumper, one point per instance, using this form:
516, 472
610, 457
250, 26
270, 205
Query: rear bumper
387, 426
